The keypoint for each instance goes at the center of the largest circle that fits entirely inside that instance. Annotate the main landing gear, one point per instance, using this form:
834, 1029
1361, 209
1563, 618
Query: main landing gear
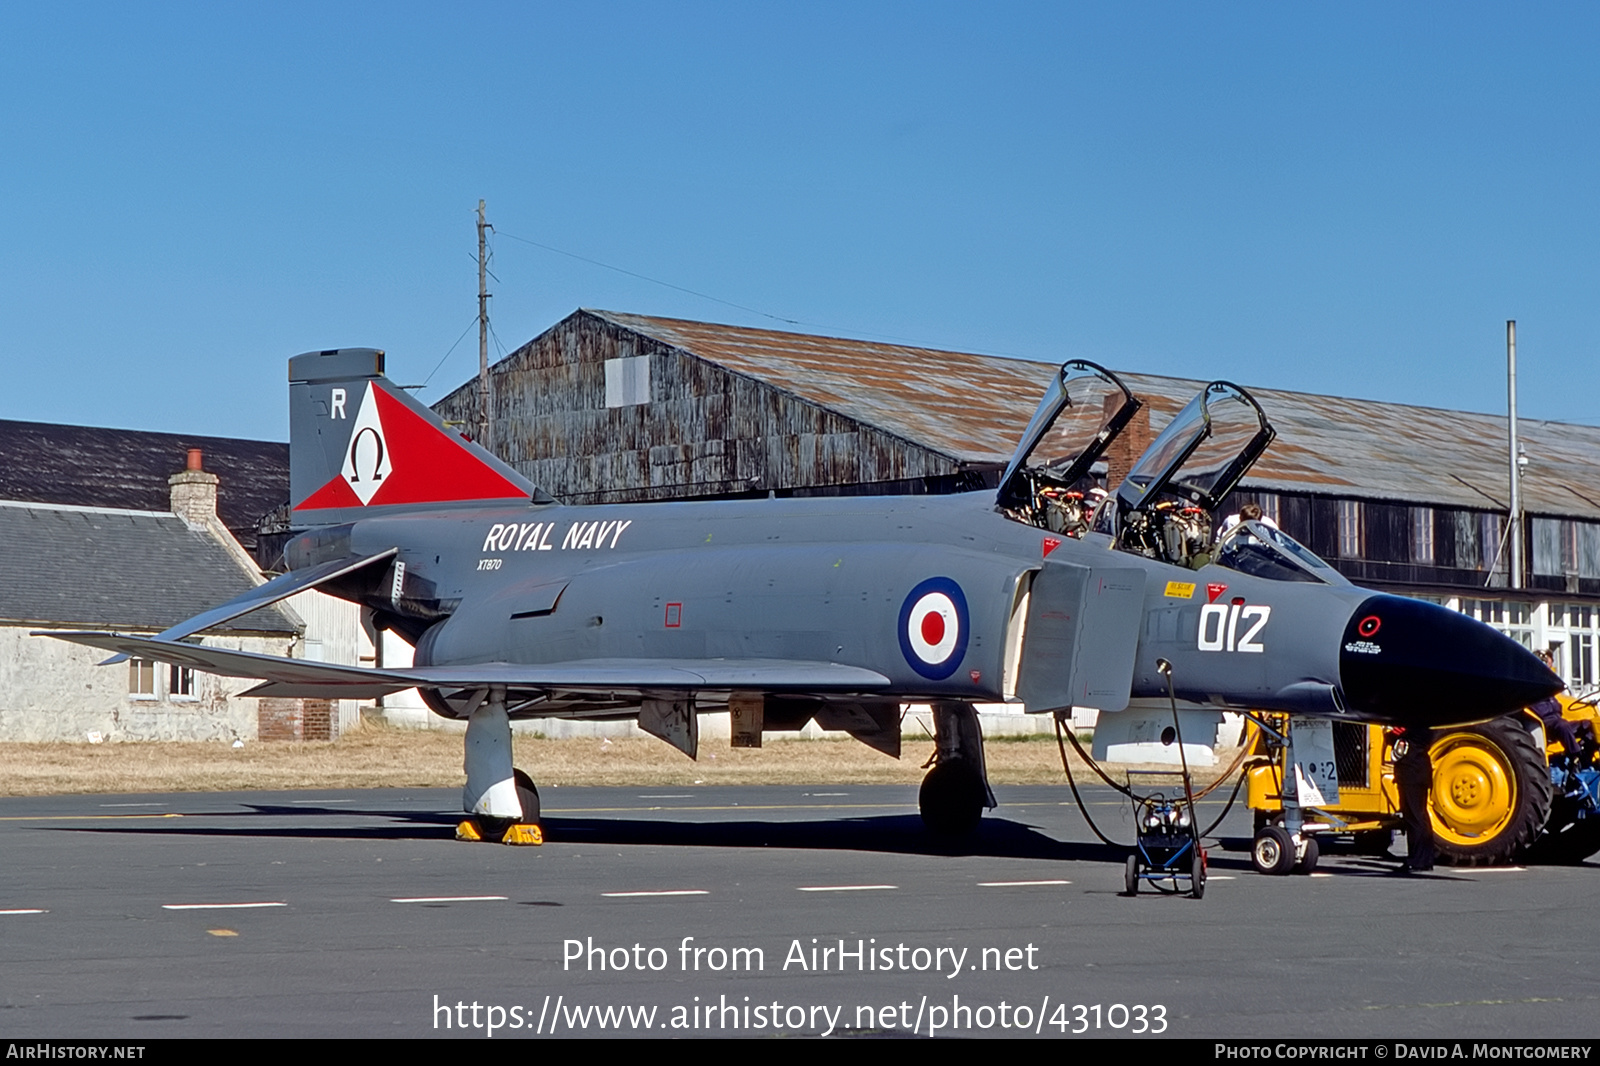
956, 790
501, 802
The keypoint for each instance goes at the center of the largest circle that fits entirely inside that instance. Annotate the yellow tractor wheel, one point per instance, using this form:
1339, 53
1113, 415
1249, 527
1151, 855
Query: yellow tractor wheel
1491, 792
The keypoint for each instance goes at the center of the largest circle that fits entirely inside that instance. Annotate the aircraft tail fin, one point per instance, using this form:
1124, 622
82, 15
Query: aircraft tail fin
360, 444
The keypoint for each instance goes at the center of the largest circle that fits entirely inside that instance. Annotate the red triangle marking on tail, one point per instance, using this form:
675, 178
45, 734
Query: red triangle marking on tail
428, 466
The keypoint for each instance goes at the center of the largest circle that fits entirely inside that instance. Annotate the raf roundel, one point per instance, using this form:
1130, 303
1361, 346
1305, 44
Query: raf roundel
933, 628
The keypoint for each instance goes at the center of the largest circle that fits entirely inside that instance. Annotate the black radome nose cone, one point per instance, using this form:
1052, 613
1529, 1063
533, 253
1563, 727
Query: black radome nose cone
1410, 662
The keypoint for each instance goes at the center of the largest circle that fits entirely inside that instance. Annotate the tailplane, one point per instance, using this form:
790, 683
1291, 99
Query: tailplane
359, 444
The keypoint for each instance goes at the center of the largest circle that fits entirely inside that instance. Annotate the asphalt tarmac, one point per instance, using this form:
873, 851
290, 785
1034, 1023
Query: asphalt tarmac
695, 912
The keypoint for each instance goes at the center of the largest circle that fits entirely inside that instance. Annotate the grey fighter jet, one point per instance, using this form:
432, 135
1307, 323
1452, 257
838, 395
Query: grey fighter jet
838, 610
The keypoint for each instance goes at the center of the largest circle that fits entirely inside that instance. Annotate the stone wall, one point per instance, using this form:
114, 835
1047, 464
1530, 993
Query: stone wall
52, 690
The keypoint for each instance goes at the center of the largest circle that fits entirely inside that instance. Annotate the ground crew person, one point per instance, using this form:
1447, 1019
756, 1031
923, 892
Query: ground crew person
1413, 779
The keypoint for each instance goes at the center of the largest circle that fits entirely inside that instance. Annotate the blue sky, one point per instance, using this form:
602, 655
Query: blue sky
1332, 198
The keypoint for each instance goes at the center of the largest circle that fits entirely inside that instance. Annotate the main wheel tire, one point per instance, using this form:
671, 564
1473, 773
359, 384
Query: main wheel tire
1197, 874
1130, 875
1491, 793
1307, 861
1272, 851
951, 799
528, 796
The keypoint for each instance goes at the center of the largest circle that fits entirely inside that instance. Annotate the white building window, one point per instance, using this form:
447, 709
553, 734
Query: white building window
180, 683
141, 679
1490, 528
1422, 535
1580, 660
1350, 539
628, 381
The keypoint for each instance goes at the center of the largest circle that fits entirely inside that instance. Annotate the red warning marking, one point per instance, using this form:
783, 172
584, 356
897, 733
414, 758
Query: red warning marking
1369, 625
430, 466
1214, 590
976, 675
674, 617
1050, 544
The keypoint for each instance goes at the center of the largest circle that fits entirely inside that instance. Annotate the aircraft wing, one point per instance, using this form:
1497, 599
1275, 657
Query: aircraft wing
281, 587
303, 677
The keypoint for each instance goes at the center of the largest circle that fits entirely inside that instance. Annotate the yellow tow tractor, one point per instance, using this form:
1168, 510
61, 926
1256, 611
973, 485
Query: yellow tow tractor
1502, 791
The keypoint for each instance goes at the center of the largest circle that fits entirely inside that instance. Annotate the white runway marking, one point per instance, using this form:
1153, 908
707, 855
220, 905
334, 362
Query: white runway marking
847, 888
217, 906
673, 796
661, 892
446, 899
1502, 870
133, 805
1018, 884
24, 910
315, 803
1321, 875
1220, 877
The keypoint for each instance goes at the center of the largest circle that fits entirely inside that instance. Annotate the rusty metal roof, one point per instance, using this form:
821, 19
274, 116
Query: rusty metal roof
974, 407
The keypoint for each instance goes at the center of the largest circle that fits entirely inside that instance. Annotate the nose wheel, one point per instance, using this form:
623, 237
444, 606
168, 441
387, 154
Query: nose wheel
1275, 852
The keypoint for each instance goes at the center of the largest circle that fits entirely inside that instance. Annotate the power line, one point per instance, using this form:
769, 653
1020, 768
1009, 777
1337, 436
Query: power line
729, 303
446, 355
653, 281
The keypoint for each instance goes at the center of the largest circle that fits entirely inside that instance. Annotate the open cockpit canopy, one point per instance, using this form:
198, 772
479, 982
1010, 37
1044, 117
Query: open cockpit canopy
1165, 506
1211, 443
1083, 410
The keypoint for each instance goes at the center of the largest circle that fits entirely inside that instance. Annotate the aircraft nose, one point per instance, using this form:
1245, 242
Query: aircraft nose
1411, 662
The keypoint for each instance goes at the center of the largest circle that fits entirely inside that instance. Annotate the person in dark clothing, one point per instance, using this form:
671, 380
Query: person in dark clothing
1549, 712
1413, 779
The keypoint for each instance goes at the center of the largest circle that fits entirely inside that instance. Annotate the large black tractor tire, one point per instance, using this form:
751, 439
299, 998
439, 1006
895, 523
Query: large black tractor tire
951, 799
1491, 793
1566, 844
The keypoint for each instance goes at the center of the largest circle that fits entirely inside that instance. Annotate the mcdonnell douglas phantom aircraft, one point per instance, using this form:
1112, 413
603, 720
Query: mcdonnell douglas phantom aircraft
839, 610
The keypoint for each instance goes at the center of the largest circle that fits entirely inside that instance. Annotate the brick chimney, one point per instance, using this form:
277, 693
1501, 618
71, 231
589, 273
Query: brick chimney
194, 493
1128, 446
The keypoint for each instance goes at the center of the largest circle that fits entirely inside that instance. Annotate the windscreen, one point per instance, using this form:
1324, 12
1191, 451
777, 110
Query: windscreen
1263, 550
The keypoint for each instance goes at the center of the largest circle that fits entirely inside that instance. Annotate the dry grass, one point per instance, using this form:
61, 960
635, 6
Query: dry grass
385, 758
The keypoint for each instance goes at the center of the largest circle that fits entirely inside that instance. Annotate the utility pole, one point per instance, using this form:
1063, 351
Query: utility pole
1516, 469
483, 334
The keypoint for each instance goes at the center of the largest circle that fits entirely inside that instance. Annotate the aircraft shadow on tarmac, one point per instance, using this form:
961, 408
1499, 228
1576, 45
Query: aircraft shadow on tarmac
895, 834
889, 834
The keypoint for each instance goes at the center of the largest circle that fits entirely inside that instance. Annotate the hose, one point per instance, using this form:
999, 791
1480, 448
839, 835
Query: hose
1084, 807
1066, 765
